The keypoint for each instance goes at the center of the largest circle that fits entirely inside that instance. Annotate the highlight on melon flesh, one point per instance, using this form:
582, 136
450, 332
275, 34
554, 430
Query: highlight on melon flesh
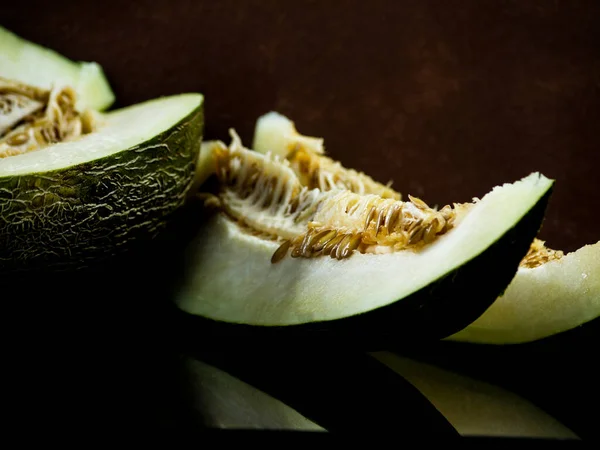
275, 253
550, 293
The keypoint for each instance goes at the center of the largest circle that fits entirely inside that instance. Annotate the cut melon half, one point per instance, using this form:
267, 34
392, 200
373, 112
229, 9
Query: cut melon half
78, 186
550, 293
75, 203
276, 254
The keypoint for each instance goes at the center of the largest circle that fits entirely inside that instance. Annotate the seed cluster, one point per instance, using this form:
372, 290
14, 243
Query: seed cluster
266, 196
539, 254
317, 242
313, 206
32, 118
320, 172
262, 192
349, 222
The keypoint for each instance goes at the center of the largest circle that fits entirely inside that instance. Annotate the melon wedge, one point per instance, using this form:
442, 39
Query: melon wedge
232, 278
541, 301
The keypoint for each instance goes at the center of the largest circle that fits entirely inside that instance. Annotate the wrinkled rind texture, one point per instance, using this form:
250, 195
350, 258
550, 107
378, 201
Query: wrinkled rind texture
438, 310
71, 218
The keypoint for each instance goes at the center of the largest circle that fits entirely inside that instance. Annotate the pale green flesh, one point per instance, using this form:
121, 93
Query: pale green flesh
204, 164
542, 301
38, 66
119, 130
476, 408
277, 134
231, 277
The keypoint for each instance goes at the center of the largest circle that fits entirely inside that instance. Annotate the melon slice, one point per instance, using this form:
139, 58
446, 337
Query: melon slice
276, 254
550, 293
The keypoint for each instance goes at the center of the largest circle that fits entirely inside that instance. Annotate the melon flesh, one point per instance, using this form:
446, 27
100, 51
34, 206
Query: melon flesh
38, 66
541, 301
118, 131
72, 204
231, 278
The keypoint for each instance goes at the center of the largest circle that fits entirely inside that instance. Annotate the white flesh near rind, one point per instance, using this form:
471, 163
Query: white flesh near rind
119, 130
554, 297
205, 163
231, 277
277, 134
38, 66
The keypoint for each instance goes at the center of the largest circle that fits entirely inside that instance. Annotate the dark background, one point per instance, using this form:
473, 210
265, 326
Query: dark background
446, 98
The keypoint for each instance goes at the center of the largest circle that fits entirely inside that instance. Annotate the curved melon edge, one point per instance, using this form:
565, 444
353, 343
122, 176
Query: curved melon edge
542, 301
262, 300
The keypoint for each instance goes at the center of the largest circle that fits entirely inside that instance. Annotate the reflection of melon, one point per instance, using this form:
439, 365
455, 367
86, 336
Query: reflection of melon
472, 407
41, 67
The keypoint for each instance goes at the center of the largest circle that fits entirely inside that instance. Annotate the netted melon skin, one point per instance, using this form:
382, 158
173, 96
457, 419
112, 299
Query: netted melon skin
76, 217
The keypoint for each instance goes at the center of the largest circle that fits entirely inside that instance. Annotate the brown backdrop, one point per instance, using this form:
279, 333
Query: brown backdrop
447, 98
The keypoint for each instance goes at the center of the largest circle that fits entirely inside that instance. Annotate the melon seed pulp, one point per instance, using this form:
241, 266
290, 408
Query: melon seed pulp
276, 256
264, 193
32, 118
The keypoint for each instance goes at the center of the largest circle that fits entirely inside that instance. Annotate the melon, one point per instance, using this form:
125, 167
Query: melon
550, 293
274, 254
77, 184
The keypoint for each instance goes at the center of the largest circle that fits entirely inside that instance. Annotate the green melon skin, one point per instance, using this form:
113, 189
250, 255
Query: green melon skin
77, 216
436, 311
36, 65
